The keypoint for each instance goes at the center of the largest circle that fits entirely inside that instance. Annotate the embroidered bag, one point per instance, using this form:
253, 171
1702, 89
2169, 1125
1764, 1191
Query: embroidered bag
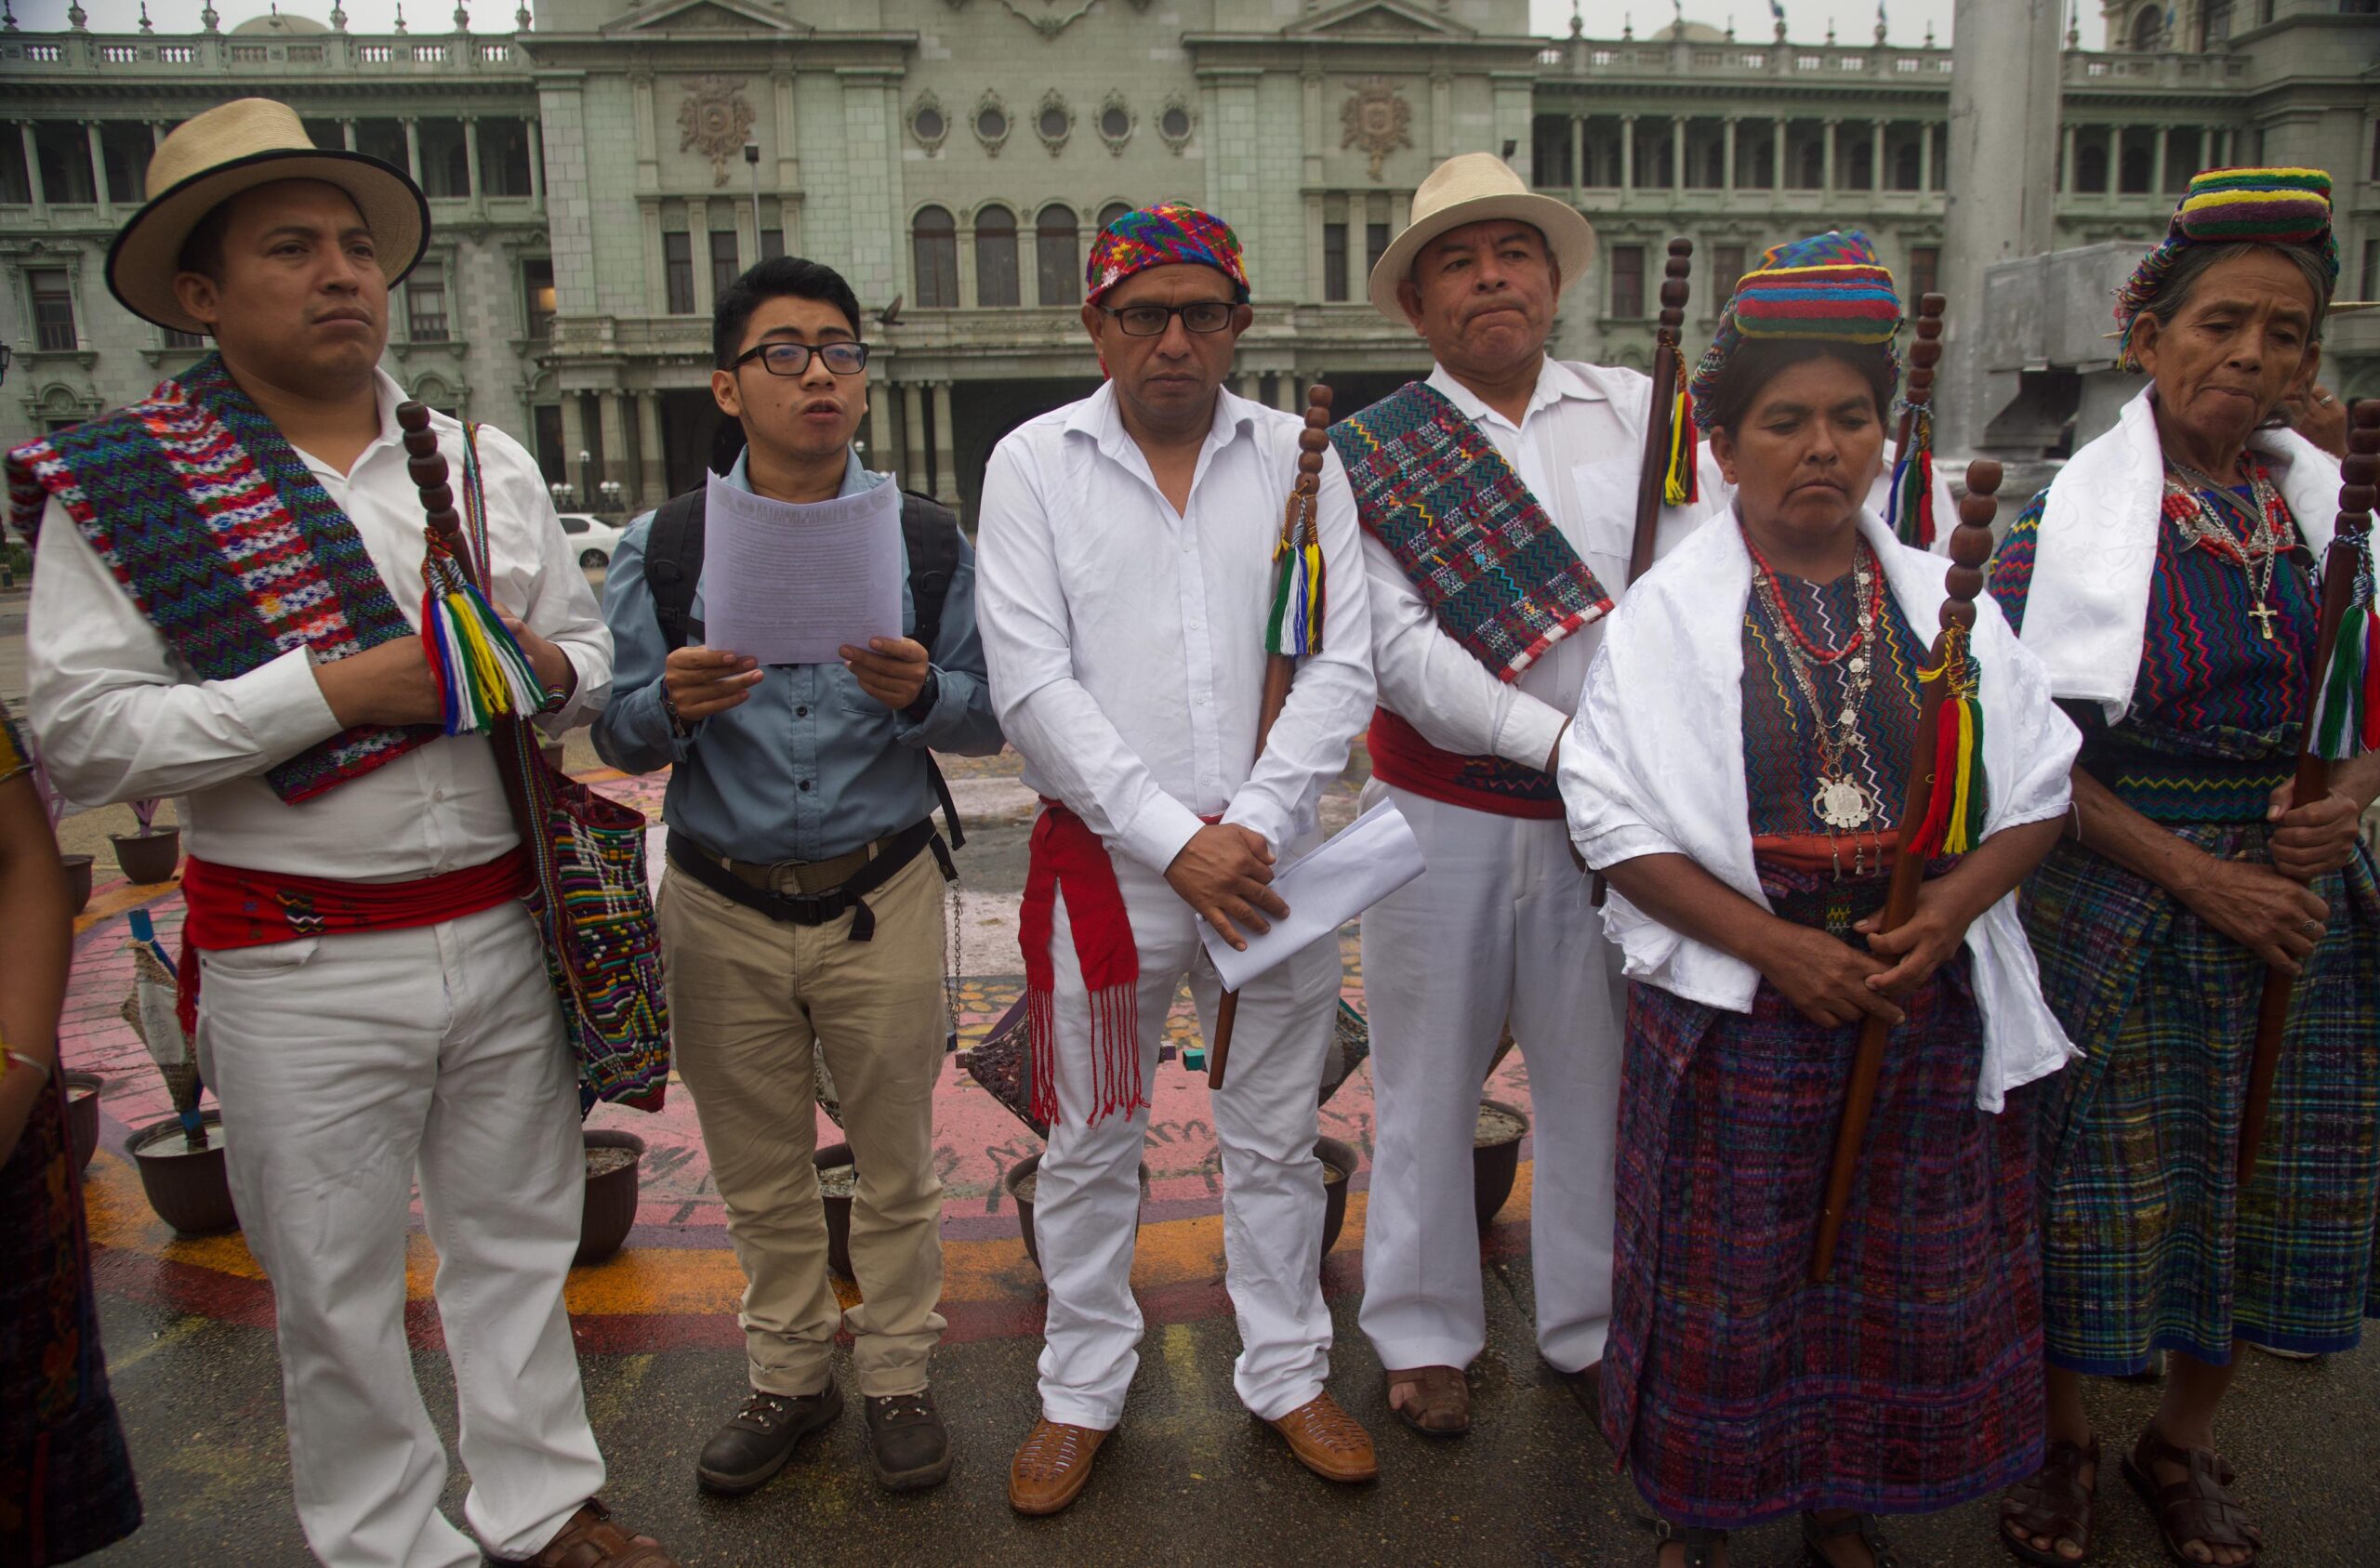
589, 896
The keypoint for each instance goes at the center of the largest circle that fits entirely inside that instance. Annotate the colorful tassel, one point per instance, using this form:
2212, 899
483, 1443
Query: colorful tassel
1681, 483
1909, 502
1295, 626
482, 675
2347, 706
1956, 805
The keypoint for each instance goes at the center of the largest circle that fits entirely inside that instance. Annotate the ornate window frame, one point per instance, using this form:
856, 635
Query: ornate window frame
1055, 99
919, 105
1190, 122
991, 145
1114, 101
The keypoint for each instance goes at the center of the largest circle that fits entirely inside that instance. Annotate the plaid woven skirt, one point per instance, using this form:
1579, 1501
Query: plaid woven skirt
2147, 1242
1736, 1391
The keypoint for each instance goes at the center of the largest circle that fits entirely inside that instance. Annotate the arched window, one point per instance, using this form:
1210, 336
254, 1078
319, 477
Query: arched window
995, 257
2139, 167
1857, 163
1811, 167
1756, 162
2091, 166
1113, 211
933, 248
1906, 167
1713, 163
2148, 30
1057, 256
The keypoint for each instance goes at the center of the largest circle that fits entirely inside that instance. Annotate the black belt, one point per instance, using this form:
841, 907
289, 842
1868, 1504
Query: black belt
816, 909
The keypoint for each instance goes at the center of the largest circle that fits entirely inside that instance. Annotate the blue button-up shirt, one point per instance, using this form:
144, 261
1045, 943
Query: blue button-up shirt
809, 766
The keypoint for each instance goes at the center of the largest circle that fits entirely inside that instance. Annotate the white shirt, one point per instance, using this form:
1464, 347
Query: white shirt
1662, 772
1127, 641
119, 717
1578, 447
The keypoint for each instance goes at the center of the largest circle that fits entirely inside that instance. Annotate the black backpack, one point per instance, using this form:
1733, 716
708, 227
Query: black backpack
673, 566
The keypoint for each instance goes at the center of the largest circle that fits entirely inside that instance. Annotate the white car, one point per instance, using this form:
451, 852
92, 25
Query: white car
594, 539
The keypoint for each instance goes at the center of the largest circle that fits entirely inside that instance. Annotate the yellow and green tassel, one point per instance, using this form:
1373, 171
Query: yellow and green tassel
482, 675
1295, 625
1956, 809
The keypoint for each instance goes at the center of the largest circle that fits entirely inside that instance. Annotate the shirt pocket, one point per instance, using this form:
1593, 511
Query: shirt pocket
852, 702
266, 959
1605, 495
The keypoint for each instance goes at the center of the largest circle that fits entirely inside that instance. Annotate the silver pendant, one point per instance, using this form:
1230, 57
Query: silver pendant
1842, 804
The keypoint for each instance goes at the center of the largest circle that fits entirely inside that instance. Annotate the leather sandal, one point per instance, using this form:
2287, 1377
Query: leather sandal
1327, 1441
591, 1540
2198, 1507
1439, 1405
2053, 1501
1814, 1536
1701, 1545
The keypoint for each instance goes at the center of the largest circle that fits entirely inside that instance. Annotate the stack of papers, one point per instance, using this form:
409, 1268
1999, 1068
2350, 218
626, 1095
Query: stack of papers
1361, 865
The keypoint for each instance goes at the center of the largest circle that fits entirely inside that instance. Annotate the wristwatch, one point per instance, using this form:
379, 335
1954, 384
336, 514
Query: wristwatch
928, 694
670, 709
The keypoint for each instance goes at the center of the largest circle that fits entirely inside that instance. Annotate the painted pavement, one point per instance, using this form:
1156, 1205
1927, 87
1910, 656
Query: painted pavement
676, 1283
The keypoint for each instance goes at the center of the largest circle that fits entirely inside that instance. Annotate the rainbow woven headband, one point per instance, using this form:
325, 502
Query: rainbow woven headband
2234, 207
1168, 234
1829, 287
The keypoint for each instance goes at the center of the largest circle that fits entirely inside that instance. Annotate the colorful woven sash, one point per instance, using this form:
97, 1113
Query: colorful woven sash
1493, 567
227, 543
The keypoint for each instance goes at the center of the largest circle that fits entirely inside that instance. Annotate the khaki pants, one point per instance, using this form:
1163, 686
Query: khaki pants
747, 996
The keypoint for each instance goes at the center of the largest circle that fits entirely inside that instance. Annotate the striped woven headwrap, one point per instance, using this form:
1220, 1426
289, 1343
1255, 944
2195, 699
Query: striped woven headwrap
2234, 207
1164, 235
1831, 287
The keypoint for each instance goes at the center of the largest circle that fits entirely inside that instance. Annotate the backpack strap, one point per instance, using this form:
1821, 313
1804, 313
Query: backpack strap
673, 563
929, 532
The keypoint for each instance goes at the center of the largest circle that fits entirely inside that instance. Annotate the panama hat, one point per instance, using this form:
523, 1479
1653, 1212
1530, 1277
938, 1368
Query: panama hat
205, 162
1474, 187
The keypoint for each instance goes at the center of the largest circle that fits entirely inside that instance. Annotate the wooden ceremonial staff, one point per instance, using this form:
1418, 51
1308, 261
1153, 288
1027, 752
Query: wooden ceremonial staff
2357, 474
427, 466
1660, 426
1970, 547
1279, 668
1923, 354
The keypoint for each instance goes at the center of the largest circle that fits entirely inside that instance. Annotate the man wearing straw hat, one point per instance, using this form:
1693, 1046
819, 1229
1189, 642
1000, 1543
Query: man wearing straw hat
1505, 457
224, 610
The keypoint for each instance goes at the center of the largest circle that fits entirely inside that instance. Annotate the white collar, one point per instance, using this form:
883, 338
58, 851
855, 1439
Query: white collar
1555, 381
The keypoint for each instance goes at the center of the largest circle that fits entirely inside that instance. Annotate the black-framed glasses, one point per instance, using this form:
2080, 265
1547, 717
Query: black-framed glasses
792, 359
1150, 321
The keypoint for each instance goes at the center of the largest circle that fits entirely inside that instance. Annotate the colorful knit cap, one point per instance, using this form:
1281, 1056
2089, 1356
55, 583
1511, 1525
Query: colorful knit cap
1829, 287
1163, 235
2234, 207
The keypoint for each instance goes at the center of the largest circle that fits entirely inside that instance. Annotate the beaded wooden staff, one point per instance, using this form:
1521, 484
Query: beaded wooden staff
2342, 718
482, 675
1667, 475
1941, 813
1908, 507
1293, 630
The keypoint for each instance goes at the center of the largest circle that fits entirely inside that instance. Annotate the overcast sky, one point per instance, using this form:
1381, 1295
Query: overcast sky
1854, 21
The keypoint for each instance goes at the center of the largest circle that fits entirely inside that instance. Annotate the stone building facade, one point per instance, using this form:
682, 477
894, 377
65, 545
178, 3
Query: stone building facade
596, 176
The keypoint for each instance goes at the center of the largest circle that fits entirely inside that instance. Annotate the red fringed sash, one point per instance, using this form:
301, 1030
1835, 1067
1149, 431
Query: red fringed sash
237, 906
1068, 858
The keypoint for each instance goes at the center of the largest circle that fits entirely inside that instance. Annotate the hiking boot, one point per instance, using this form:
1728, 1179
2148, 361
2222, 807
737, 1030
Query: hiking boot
755, 1446
908, 1443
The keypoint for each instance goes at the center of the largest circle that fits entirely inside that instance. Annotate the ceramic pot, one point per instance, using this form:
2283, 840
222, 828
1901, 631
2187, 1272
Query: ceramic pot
836, 1171
1019, 1184
190, 1188
1495, 1163
1341, 1159
611, 1197
82, 1114
78, 880
149, 858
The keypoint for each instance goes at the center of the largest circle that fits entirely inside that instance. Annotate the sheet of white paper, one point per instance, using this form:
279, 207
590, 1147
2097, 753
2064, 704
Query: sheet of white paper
1359, 865
790, 584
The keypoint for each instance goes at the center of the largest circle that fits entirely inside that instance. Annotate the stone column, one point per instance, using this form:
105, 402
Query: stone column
946, 448
1289, 392
413, 148
1876, 157
347, 132
1926, 156
615, 446
1677, 153
472, 160
2115, 159
1728, 154
574, 441
1627, 152
536, 161
1828, 173
98, 166
1578, 180
1252, 386
651, 455
2165, 145
2065, 161
913, 434
32, 163
1777, 154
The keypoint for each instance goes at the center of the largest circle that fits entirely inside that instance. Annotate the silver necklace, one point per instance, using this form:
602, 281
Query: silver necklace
2257, 552
1841, 800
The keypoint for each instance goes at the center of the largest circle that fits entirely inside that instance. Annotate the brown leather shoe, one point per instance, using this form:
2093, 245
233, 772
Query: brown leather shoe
1437, 1399
1329, 1442
1051, 1466
591, 1540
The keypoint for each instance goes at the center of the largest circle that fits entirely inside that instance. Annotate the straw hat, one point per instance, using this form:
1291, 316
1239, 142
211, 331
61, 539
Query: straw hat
206, 161
1473, 188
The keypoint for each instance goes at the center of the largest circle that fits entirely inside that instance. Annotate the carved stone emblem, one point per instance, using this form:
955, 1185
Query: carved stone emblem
715, 121
1376, 120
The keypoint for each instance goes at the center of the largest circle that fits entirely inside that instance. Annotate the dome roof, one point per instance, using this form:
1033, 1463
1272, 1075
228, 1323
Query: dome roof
1692, 31
276, 23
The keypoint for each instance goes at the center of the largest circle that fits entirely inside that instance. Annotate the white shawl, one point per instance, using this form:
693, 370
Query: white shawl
1656, 766
2089, 610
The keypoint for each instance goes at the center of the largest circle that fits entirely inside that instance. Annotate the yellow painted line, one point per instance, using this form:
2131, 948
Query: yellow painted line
189, 1324
113, 902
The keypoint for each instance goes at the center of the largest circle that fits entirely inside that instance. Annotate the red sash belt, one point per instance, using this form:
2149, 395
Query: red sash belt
1402, 758
1068, 858
238, 906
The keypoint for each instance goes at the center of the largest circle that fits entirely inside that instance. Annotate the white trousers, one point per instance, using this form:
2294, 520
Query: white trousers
1086, 1202
1500, 927
348, 1068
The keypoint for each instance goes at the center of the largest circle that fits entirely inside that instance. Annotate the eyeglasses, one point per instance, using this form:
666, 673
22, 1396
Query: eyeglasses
793, 359
1150, 321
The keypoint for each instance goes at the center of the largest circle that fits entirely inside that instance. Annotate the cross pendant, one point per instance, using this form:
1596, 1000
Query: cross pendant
2264, 614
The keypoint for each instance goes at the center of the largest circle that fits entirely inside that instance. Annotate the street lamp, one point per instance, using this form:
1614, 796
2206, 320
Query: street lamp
562, 493
612, 490
752, 162
586, 471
